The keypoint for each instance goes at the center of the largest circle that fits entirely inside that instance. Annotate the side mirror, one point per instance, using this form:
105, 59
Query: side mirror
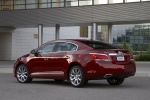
33, 51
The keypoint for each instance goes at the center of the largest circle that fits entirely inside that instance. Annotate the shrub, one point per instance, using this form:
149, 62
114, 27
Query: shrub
142, 57
125, 46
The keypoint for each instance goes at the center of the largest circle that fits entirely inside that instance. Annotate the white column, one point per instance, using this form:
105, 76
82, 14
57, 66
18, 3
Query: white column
110, 1
40, 34
57, 30
94, 31
110, 33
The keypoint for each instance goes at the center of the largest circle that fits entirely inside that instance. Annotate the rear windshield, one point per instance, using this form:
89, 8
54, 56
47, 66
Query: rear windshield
99, 45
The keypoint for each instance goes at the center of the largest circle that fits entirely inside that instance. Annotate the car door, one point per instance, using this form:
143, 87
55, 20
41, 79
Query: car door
41, 62
62, 56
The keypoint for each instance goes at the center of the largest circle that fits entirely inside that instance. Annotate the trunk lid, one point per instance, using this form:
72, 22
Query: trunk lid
117, 56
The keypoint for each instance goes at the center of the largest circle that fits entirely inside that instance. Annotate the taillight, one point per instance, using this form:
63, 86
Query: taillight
131, 56
100, 56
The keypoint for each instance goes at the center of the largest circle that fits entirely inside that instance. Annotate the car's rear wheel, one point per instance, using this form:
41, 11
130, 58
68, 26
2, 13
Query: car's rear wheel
22, 74
77, 77
115, 81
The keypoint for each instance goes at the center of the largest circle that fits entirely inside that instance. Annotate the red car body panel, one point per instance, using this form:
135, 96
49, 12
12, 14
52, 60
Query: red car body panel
56, 65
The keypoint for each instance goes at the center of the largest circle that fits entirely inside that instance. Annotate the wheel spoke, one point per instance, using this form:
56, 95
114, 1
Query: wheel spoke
75, 76
73, 72
22, 74
79, 79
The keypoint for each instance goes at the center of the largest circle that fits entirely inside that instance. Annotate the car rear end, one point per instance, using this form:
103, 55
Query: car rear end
109, 61
114, 63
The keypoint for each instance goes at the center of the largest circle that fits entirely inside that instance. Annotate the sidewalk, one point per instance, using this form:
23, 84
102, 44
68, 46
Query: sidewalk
142, 68
6, 66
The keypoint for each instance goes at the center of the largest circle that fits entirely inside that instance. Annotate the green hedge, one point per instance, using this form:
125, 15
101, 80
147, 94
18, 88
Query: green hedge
142, 57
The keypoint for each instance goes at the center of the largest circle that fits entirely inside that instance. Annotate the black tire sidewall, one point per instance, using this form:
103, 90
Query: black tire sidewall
118, 82
28, 78
83, 79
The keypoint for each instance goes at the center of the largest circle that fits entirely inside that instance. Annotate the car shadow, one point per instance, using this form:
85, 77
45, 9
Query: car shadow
91, 84
107, 86
51, 82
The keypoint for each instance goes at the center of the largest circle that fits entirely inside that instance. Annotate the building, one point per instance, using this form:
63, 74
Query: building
137, 36
26, 24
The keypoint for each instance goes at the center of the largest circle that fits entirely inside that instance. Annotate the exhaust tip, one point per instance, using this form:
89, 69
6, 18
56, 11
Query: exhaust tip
108, 76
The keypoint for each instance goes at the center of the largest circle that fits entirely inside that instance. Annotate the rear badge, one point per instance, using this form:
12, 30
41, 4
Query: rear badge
120, 53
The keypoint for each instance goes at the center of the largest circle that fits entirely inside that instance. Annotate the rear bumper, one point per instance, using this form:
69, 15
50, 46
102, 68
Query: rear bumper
106, 69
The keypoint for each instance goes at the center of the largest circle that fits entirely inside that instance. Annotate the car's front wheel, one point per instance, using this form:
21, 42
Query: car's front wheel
22, 74
77, 77
115, 81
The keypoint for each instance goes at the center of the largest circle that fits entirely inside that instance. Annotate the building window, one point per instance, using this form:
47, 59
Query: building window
57, 3
44, 3
71, 3
19, 4
85, 2
7, 5
115, 1
31, 4
84, 31
132, 0
102, 33
100, 2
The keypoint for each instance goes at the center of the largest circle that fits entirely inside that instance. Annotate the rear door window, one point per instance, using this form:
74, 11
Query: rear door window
64, 46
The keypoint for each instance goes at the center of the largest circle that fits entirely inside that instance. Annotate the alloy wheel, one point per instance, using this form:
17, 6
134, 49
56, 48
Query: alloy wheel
22, 74
76, 77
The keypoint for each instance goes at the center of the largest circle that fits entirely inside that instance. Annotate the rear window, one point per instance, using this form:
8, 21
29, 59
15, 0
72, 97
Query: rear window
99, 45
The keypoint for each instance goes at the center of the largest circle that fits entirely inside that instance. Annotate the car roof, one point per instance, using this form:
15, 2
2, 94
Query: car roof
78, 40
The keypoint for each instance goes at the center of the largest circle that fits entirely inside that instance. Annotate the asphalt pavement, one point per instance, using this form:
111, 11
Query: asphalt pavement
133, 88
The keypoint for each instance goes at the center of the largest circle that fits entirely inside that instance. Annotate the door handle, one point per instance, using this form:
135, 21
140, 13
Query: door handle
67, 57
46, 59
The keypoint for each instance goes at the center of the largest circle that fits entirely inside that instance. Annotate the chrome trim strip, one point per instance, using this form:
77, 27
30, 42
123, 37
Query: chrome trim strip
112, 54
115, 54
50, 73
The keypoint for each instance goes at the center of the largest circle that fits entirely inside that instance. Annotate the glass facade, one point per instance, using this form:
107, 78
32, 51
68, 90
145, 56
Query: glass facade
19, 4
85, 2
115, 1
97, 2
34, 4
137, 36
102, 33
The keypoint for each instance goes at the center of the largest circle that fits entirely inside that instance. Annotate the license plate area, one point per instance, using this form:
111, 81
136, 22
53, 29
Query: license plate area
120, 58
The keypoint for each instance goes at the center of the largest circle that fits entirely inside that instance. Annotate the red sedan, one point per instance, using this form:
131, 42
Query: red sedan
77, 61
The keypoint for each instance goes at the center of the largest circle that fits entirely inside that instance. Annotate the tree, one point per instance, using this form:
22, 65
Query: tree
125, 46
139, 47
148, 49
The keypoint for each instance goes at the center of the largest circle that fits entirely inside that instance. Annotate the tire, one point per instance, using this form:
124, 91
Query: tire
77, 77
22, 74
115, 81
